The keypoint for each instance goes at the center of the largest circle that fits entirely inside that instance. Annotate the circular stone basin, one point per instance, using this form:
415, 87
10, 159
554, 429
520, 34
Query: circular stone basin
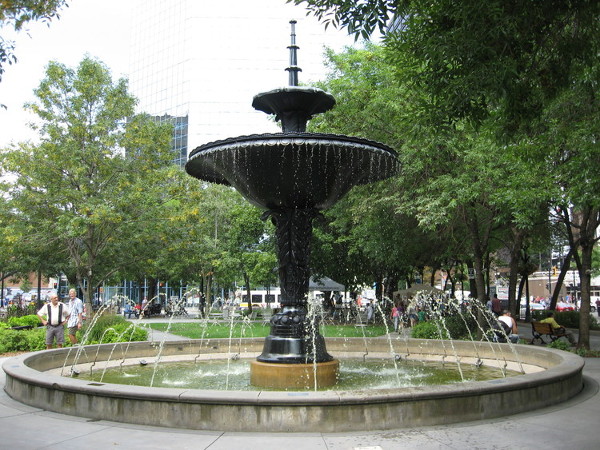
549, 377
293, 170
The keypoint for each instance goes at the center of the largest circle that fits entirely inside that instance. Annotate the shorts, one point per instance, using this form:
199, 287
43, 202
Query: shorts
73, 330
55, 332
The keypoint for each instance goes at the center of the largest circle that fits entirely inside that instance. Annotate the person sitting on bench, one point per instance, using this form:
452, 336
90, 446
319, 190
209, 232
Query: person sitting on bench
509, 325
558, 329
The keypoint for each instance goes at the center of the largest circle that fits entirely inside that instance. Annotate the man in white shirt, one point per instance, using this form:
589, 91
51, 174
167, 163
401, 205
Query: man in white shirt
75, 316
54, 315
510, 326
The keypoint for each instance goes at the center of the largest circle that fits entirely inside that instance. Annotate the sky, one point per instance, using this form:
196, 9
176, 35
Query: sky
66, 40
99, 28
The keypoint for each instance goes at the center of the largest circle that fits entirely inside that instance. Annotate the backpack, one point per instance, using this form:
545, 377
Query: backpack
506, 327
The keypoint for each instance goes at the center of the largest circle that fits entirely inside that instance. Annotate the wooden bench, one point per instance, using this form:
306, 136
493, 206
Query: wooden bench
539, 330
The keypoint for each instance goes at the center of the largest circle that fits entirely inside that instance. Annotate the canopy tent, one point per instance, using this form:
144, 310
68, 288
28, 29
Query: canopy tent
324, 284
413, 290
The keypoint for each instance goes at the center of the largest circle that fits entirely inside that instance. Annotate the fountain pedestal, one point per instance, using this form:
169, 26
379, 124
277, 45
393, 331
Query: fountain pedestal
294, 376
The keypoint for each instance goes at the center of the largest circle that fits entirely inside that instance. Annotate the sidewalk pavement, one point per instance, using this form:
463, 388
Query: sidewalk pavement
570, 425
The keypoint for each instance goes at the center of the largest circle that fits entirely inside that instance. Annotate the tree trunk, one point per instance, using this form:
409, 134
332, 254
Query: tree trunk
590, 219
561, 277
515, 259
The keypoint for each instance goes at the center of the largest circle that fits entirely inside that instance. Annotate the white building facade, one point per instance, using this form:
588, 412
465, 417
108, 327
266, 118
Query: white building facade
200, 63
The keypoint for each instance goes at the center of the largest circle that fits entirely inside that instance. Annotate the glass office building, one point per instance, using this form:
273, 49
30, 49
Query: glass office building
199, 63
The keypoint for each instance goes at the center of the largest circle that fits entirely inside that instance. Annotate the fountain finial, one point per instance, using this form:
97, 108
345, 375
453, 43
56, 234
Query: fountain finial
293, 105
293, 69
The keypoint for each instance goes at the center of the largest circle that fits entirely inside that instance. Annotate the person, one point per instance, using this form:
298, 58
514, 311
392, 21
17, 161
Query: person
396, 317
54, 316
412, 315
558, 328
421, 315
370, 311
144, 305
509, 325
496, 306
75, 316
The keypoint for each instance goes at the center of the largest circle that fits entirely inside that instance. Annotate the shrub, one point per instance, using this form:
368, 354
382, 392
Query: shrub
22, 340
568, 319
111, 328
30, 320
560, 344
538, 315
459, 327
426, 330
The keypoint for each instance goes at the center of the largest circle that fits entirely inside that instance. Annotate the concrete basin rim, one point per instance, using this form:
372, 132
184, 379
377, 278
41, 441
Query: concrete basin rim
19, 368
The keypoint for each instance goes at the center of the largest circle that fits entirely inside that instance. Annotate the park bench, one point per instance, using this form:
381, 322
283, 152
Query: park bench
539, 330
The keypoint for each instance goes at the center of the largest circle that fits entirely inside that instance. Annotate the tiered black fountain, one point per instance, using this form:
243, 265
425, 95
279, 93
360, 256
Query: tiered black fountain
293, 175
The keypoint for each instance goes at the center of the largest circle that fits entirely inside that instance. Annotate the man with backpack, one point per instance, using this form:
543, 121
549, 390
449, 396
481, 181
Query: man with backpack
509, 326
54, 316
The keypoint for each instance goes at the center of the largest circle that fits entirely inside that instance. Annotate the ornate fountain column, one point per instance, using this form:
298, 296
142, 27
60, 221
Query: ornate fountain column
294, 336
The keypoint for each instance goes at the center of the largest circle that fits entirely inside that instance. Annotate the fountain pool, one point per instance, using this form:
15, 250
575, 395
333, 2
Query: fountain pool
550, 377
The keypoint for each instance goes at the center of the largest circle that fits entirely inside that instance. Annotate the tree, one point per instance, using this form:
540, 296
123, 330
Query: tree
83, 187
453, 176
249, 246
474, 58
16, 14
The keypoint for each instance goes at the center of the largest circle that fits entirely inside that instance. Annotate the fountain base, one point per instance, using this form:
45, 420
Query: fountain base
294, 376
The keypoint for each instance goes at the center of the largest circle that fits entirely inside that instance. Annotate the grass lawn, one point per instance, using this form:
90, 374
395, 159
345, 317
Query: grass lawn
197, 330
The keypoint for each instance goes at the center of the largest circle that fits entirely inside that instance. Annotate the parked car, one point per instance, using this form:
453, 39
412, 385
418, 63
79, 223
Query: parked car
592, 304
562, 306
532, 307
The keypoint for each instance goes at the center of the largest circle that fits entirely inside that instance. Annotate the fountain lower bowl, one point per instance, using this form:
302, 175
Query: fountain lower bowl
551, 376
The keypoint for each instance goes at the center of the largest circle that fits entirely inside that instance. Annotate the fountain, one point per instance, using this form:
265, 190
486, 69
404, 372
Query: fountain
293, 175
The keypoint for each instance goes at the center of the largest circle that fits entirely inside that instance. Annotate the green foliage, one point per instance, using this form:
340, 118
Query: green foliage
17, 13
585, 353
427, 330
450, 327
477, 58
86, 191
567, 319
22, 340
560, 344
30, 320
461, 327
538, 315
110, 328
123, 332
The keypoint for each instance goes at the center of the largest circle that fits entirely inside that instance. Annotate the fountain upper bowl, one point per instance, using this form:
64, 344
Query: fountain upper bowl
293, 169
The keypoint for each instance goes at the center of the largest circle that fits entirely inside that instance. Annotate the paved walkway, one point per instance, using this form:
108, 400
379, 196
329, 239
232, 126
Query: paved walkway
570, 425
